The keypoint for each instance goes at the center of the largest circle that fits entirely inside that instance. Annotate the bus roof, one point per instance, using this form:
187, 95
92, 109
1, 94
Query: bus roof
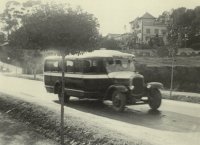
95, 54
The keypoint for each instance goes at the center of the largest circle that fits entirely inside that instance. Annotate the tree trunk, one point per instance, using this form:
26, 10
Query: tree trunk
62, 101
34, 73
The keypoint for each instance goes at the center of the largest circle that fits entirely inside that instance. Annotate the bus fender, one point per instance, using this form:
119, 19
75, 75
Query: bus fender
155, 85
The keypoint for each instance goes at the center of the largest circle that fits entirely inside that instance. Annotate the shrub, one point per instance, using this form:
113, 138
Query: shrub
185, 78
195, 46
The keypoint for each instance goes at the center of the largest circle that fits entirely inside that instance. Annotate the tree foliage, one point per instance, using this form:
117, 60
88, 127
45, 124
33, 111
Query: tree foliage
109, 43
54, 26
8, 16
156, 41
13, 13
2, 37
185, 26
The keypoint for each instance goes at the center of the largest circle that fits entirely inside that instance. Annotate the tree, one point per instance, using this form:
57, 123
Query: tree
12, 20
164, 18
196, 22
185, 26
55, 26
129, 41
13, 13
109, 43
156, 41
8, 18
2, 37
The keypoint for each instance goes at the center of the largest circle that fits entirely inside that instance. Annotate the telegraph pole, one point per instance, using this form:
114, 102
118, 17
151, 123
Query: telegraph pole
172, 72
62, 100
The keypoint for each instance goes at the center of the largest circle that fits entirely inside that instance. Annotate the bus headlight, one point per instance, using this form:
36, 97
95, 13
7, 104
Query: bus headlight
131, 87
148, 86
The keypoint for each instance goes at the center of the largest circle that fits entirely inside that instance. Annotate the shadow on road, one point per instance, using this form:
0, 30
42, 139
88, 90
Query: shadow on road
143, 116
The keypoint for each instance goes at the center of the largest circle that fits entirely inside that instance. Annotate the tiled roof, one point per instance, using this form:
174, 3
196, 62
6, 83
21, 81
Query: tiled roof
147, 16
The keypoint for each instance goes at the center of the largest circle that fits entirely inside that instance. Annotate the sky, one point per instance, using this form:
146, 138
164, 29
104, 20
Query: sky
114, 15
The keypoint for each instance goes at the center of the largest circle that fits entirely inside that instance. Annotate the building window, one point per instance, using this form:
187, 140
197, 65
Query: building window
156, 31
148, 31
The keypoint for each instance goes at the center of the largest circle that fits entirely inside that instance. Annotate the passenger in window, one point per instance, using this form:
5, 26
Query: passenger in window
118, 65
110, 66
100, 68
86, 66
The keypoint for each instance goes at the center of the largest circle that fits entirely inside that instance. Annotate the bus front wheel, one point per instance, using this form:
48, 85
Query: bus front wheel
119, 101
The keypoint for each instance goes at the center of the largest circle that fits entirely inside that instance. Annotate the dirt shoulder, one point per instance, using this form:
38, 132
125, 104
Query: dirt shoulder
13, 132
47, 122
182, 96
39, 77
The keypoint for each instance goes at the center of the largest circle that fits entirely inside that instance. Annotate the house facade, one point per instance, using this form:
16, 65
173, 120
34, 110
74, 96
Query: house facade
147, 27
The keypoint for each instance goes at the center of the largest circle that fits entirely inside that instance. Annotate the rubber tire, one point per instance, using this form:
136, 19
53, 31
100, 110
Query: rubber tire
66, 97
155, 99
118, 106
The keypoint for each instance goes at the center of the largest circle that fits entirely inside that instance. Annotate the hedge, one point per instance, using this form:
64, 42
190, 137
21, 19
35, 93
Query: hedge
185, 78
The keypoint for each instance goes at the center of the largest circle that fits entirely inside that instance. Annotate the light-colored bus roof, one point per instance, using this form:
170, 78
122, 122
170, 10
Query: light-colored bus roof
95, 54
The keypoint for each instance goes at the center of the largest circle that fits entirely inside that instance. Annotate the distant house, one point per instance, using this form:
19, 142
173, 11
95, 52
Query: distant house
114, 36
147, 27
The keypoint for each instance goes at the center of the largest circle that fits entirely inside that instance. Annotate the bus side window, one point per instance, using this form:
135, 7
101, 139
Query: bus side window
69, 66
86, 66
99, 66
78, 66
118, 62
93, 66
51, 65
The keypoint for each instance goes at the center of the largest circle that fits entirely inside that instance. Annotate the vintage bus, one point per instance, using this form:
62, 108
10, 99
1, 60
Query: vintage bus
102, 75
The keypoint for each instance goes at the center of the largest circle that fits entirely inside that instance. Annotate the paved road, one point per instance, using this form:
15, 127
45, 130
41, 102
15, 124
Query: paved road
176, 123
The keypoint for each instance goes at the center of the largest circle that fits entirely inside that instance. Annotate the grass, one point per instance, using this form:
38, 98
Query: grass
180, 97
193, 61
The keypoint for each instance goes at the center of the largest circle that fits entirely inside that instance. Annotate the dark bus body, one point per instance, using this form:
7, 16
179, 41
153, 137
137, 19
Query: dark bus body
102, 75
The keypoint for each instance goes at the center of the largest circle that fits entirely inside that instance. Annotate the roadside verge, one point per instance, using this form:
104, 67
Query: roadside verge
182, 96
47, 122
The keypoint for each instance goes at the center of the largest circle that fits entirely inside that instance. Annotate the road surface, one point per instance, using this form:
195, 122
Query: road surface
176, 123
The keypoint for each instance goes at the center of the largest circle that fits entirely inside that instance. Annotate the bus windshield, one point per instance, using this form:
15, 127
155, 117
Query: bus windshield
121, 64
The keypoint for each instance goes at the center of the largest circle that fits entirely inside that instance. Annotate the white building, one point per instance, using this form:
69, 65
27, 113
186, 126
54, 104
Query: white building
147, 27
